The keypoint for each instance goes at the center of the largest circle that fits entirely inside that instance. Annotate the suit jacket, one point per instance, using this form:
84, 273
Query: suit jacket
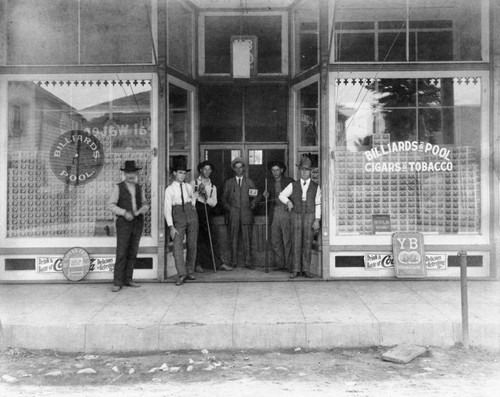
236, 198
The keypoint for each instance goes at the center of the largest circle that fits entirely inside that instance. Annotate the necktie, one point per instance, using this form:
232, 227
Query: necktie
305, 183
182, 196
239, 182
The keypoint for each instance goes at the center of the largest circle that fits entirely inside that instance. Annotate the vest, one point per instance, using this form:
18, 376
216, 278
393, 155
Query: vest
296, 198
125, 199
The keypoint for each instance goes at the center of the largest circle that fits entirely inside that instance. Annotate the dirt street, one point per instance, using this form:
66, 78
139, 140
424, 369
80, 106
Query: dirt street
339, 372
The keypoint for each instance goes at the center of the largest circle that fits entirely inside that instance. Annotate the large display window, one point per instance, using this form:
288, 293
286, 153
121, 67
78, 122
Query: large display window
66, 142
411, 155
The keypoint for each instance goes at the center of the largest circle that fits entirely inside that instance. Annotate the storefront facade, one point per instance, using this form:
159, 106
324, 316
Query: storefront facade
396, 101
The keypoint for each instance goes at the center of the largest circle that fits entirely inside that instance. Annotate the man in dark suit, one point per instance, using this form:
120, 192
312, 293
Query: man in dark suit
279, 217
239, 198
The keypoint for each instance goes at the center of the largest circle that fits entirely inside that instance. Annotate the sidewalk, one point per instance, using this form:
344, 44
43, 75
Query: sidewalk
263, 315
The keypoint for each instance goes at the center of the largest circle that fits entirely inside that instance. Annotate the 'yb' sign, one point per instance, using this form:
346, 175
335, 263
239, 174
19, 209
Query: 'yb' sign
409, 255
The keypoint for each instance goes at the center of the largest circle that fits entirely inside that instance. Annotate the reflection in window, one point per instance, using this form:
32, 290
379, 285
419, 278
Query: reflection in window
76, 135
306, 35
179, 118
410, 149
307, 99
389, 31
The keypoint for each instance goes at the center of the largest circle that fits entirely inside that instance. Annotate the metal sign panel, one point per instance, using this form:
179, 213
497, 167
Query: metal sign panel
409, 255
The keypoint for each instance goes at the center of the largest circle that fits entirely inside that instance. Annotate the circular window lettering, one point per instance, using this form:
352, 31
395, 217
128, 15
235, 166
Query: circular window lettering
76, 264
76, 157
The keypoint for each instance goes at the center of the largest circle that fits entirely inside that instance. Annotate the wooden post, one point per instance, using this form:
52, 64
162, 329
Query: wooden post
463, 293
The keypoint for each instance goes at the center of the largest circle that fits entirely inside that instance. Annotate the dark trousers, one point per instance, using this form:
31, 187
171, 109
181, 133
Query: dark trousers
128, 235
204, 252
302, 241
235, 225
186, 222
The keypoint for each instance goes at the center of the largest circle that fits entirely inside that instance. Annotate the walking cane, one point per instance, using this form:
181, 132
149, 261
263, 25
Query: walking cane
210, 237
267, 270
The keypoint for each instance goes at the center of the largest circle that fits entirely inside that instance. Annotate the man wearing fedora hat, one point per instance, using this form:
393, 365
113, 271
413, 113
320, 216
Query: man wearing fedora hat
239, 198
182, 220
279, 217
303, 199
128, 203
205, 193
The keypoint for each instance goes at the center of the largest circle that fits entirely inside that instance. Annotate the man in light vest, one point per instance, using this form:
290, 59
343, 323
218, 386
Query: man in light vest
303, 200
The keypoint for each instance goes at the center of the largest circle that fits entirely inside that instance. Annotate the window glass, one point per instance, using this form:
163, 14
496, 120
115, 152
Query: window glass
42, 32
221, 113
307, 99
180, 28
218, 32
306, 17
115, 32
67, 141
179, 118
266, 113
378, 31
409, 149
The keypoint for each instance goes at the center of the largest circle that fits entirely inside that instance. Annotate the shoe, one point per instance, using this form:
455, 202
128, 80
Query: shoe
133, 285
198, 269
190, 277
294, 274
225, 267
180, 280
116, 288
308, 275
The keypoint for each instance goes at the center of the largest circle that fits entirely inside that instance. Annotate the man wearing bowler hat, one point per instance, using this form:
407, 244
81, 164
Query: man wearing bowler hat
205, 193
239, 198
303, 200
128, 203
182, 220
279, 217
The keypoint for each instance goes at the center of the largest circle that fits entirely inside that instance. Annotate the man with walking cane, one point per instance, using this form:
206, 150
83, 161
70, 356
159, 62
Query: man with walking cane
278, 217
208, 254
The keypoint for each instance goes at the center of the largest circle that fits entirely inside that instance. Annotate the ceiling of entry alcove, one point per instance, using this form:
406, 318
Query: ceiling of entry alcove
245, 4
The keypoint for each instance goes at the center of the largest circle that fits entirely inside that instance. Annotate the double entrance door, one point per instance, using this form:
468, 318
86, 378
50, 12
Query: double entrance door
257, 158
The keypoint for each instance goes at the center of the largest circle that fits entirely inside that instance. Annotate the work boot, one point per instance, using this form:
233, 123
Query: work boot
180, 280
133, 285
198, 269
225, 267
116, 288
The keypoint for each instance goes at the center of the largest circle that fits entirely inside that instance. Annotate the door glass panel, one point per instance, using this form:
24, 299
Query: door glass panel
308, 115
180, 28
179, 118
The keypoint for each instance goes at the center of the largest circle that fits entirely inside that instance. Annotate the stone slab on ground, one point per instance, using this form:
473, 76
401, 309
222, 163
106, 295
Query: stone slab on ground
403, 354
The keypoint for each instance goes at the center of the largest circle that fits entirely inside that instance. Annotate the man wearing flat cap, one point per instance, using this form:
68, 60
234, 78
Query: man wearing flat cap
128, 203
205, 193
239, 198
303, 200
279, 217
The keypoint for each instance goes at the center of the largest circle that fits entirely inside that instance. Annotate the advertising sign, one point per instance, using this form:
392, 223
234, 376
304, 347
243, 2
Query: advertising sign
408, 254
383, 261
76, 264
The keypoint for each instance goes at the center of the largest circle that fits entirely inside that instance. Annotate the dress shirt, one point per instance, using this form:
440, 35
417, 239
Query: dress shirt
115, 195
287, 192
209, 188
173, 197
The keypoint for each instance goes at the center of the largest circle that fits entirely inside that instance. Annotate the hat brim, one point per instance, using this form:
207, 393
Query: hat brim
130, 169
303, 166
181, 169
